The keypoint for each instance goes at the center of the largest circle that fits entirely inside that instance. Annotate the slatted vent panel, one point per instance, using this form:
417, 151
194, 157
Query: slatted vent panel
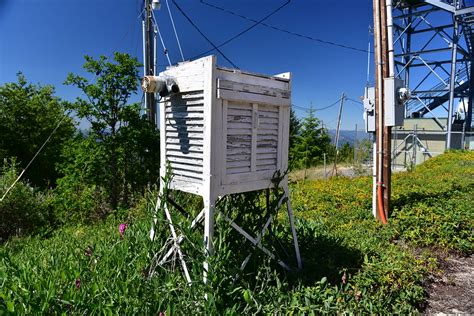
184, 117
267, 137
239, 137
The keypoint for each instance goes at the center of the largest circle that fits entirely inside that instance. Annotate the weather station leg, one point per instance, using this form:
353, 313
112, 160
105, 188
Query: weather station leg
176, 243
157, 206
209, 209
293, 228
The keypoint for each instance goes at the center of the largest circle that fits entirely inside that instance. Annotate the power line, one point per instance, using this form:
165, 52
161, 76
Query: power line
354, 100
316, 109
165, 50
202, 34
174, 28
247, 29
283, 30
34, 157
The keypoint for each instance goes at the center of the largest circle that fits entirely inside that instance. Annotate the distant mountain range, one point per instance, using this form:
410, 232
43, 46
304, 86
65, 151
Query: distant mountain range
347, 136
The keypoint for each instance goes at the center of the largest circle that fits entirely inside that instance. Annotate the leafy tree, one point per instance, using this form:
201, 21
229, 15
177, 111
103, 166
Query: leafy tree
124, 152
295, 126
311, 143
28, 115
346, 152
364, 149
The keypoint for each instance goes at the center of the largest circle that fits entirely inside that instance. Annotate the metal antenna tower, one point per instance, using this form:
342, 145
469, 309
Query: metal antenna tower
433, 52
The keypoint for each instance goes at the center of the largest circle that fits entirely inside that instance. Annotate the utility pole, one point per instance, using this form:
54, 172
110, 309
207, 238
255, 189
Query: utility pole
341, 104
383, 63
355, 145
149, 58
325, 172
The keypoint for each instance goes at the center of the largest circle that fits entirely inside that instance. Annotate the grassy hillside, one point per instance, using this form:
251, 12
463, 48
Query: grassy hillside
351, 262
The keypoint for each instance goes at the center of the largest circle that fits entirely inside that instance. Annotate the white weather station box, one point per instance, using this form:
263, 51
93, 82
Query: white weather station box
226, 131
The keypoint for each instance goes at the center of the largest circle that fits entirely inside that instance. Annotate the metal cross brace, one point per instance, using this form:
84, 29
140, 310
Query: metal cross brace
257, 242
177, 241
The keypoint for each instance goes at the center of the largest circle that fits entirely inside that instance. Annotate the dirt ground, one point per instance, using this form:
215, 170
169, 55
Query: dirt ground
452, 292
315, 173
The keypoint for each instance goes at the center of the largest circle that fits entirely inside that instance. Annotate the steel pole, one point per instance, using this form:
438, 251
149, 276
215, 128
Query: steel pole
149, 60
452, 82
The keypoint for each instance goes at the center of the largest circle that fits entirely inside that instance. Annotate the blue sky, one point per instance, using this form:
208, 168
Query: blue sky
47, 39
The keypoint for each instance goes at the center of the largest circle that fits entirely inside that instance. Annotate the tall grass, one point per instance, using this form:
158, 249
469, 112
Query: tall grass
351, 262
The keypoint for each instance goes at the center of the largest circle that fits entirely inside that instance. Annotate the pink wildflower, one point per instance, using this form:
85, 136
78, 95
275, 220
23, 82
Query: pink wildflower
78, 283
122, 228
344, 278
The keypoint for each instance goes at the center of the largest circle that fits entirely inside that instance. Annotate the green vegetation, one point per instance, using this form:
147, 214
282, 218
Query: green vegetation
28, 115
351, 262
74, 230
309, 140
120, 154
78, 176
24, 210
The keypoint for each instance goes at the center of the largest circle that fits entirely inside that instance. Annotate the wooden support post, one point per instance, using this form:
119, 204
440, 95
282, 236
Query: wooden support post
383, 133
293, 228
209, 210
341, 104
387, 130
355, 146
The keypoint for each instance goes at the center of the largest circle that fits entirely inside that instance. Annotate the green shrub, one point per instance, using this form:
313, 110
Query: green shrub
23, 211
78, 202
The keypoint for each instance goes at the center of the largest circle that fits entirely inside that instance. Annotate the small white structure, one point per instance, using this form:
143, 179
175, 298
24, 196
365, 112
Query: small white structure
226, 131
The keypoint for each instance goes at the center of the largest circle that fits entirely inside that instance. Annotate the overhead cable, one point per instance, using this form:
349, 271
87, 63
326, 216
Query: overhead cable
354, 100
174, 29
316, 109
247, 29
165, 50
283, 30
202, 34
34, 157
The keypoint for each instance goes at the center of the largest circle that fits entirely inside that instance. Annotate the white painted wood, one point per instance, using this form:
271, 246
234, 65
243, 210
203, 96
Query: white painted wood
250, 88
252, 97
188, 155
247, 187
181, 143
248, 177
176, 244
226, 150
177, 148
186, 185
225, 132
254, 79
280, 138
285, 75
284, 145
180, 238
255, 126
